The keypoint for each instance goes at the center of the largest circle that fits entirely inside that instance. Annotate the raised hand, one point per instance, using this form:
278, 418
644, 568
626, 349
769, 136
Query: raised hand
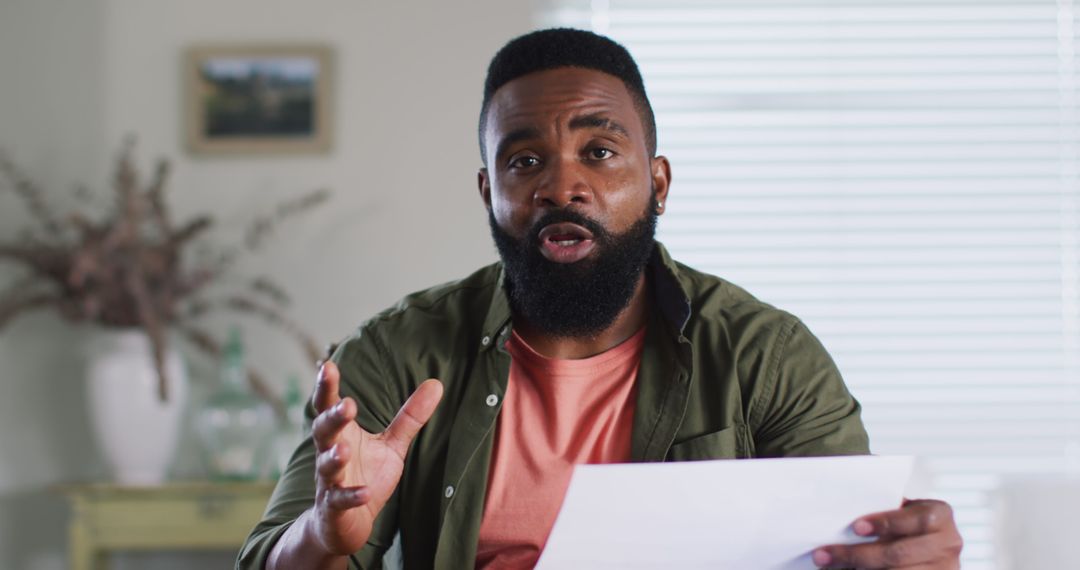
356, 471
921, 534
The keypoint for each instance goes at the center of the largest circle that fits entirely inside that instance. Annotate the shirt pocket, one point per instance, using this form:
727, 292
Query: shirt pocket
723, 444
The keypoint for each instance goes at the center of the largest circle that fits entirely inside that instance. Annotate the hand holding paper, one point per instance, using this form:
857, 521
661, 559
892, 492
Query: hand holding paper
922, 534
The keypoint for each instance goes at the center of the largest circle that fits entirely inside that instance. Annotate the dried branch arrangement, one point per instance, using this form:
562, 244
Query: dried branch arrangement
129, 268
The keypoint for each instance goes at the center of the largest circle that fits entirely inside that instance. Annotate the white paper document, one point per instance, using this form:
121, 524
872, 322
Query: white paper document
761, 514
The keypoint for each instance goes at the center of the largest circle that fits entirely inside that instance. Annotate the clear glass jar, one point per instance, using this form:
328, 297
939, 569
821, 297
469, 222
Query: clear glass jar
235, 426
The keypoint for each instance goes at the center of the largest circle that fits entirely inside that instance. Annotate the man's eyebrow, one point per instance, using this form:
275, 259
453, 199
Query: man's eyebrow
518, 135
598, 121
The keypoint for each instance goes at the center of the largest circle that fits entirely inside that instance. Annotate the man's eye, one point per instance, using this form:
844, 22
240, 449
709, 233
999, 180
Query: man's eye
524, 162
600, 153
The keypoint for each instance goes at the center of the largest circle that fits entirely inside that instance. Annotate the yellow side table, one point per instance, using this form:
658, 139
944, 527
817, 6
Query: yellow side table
175, 516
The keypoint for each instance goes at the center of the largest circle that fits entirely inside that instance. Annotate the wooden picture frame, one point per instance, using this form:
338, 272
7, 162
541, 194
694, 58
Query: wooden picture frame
252, 99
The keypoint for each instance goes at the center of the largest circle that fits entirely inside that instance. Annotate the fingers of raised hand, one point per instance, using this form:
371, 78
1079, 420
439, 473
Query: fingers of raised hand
330, 464
329, 424
326, 387
344, 498
412, 416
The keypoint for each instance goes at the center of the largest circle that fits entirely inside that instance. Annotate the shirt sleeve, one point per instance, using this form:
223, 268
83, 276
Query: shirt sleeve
360, 360
804, 408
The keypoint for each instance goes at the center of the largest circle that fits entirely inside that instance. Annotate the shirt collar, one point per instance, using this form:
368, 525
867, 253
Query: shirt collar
668, 291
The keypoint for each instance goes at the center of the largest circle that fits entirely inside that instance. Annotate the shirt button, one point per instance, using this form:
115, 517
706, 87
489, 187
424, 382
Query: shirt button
449, 491
485, 341
492, 399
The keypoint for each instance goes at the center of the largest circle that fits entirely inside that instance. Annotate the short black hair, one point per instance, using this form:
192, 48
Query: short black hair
566, 47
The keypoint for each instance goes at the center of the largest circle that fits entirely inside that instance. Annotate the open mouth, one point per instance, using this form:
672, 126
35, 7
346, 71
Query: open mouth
565, 242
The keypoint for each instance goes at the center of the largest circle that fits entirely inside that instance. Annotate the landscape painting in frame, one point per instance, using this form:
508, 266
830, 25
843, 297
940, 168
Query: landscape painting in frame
259, 99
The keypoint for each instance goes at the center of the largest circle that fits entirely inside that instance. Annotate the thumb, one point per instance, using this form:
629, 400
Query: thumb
412, 416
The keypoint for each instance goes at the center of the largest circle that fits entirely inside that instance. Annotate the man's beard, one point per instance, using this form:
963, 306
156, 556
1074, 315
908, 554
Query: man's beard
578, 299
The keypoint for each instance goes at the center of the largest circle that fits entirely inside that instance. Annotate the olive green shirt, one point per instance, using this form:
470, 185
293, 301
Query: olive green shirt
722, 376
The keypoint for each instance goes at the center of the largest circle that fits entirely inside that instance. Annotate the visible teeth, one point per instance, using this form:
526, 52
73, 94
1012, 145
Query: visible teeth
566, 242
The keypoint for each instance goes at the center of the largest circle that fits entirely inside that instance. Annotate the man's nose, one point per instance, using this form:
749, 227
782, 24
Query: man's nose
564, 183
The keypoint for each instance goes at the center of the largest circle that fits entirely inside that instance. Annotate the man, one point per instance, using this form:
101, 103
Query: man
587, 344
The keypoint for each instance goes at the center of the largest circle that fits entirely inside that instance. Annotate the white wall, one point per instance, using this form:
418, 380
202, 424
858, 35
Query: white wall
51, 102
78, 75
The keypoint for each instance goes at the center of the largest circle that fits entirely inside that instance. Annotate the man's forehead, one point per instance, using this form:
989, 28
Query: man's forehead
567, 93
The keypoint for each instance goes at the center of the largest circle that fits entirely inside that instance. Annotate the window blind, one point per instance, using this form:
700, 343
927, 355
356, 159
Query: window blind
903, 176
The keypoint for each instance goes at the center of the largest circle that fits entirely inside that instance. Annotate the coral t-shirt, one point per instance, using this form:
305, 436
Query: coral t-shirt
556, 413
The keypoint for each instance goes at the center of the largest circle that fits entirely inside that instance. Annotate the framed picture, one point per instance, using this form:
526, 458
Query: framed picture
259, 98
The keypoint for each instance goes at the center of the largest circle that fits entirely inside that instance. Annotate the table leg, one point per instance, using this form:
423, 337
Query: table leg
83, 554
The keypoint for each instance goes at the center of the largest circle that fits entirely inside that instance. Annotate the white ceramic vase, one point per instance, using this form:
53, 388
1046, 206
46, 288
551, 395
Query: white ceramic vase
136, 432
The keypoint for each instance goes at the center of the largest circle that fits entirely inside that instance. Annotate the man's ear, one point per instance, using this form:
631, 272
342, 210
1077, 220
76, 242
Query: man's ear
661, 178
484, 184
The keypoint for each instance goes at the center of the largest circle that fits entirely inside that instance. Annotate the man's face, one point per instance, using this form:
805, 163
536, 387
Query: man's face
570, 188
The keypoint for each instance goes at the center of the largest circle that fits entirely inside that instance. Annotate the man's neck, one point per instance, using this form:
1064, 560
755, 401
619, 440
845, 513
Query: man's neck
628, 322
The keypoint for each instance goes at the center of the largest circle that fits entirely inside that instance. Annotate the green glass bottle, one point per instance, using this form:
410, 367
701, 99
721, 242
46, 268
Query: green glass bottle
235, 425
291, 433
